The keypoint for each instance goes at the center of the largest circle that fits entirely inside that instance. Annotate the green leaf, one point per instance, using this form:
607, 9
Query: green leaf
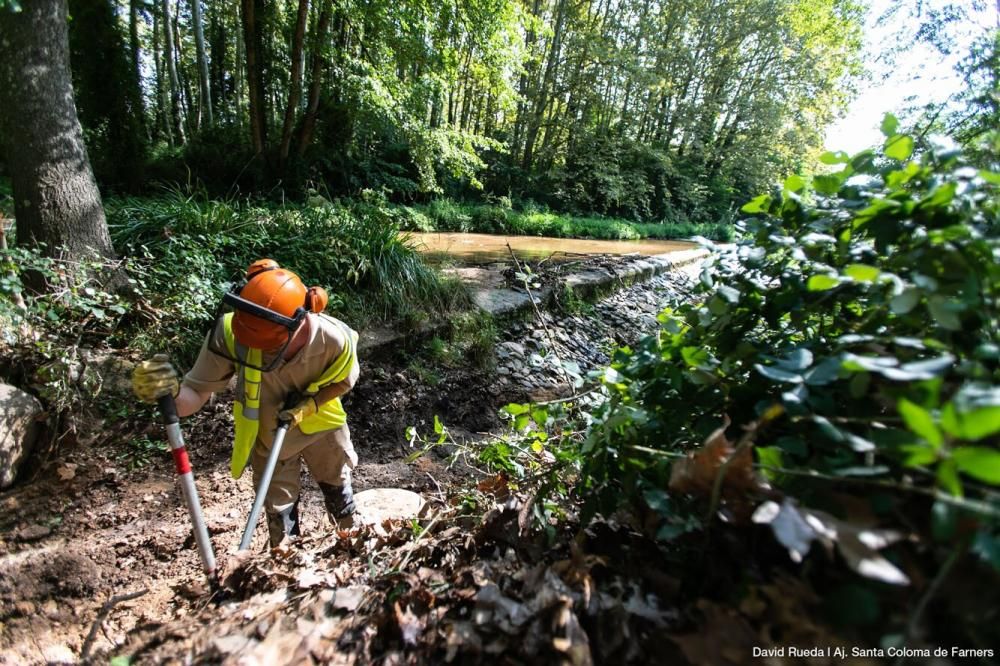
540, 415
905, 301
822, 282
794, 183
770, 456
979, 463
515, 408
438, 426
824, 373
798, 360
943, 312
827, 184
990, 176
778, 375
899, 147
978, 424
120, 660
889, 125
862, 272
947, 477
920, 422
759, 204
838, 157
919, 455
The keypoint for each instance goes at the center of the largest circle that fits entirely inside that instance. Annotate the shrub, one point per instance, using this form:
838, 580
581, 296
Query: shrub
851, 339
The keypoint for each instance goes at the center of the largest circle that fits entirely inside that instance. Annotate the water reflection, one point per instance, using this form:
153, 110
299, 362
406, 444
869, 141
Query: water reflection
484, 248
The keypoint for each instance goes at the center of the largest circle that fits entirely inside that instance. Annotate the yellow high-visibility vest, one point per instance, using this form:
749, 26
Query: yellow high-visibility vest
246, 405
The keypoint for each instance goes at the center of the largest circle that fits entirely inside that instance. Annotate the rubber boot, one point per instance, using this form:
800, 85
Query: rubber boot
282, 523
339, 502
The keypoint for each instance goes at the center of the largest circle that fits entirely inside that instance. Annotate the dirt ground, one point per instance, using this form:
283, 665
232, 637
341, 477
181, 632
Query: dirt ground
105, 519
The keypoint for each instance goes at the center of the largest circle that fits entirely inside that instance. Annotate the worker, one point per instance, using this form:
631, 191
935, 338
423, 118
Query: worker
273, 335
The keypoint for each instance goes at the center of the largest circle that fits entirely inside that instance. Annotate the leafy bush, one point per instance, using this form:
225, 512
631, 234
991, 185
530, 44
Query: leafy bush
851, 339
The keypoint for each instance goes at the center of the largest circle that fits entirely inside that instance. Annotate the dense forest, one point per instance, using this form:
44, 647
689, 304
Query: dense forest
632, 108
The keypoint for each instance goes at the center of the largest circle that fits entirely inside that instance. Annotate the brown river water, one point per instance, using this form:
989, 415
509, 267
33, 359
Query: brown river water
483, 248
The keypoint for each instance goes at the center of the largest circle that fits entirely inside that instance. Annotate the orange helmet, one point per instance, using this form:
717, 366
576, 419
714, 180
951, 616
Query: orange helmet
280, 291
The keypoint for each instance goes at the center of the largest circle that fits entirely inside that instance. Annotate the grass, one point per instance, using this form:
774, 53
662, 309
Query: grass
449, 215
187, 250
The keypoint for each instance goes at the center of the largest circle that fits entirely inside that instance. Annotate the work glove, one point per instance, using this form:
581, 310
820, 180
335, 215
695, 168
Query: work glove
155, 378
303, 410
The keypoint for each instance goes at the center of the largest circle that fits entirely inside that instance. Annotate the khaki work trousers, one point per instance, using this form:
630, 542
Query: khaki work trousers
329, 459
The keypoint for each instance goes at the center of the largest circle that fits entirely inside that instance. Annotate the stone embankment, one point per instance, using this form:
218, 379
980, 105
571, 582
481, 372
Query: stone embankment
542, 354
568, 321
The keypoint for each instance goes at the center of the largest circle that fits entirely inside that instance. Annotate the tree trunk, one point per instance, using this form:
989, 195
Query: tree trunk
135, 49
199, 41
255, 74
162, 103
175, 86
294, 84
315, 78
56, 199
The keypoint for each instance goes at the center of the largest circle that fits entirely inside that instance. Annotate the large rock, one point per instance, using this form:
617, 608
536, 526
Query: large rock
18, 430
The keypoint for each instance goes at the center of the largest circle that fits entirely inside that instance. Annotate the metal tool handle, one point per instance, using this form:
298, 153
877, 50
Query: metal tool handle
169, 410
265, 481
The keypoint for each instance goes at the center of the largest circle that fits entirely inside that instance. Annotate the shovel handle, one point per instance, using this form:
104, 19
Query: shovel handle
168, 408
262, 486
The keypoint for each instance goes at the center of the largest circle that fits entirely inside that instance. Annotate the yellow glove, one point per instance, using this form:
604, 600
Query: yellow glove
294, 415
155, 378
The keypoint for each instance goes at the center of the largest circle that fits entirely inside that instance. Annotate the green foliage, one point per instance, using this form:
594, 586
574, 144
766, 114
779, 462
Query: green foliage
857, 319
450, 215
76, 307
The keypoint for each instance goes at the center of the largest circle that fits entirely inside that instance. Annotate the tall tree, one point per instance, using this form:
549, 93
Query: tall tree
199, 40
294, 84
56, 199
173, 80
253, 43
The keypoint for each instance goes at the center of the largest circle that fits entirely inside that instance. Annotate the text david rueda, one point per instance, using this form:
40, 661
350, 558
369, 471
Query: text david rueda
845, 652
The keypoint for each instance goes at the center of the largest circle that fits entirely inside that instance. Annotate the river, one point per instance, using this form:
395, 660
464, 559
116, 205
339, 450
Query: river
484, 248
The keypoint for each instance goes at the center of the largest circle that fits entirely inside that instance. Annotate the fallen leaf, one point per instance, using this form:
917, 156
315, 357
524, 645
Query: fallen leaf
67, 471
410, 626
696, 473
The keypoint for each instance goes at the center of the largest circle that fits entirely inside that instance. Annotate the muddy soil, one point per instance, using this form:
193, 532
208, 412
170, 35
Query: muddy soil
106, 519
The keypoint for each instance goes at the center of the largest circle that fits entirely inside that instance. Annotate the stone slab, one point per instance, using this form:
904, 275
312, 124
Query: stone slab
379, 504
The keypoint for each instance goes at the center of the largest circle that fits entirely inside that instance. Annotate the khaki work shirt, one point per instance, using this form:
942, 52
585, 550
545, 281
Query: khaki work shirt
212, 373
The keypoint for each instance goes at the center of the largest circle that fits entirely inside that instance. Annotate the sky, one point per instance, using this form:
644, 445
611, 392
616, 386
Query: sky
920, 72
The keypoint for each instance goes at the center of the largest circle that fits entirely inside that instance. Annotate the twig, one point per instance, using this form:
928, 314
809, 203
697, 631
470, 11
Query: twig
541, 320
413, 546
102, 615
441, 495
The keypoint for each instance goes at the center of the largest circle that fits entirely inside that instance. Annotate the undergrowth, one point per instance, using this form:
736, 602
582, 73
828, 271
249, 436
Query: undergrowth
453, 216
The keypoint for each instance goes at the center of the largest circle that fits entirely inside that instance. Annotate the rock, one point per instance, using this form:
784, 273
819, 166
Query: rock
33, 533
510, 348
19, 413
